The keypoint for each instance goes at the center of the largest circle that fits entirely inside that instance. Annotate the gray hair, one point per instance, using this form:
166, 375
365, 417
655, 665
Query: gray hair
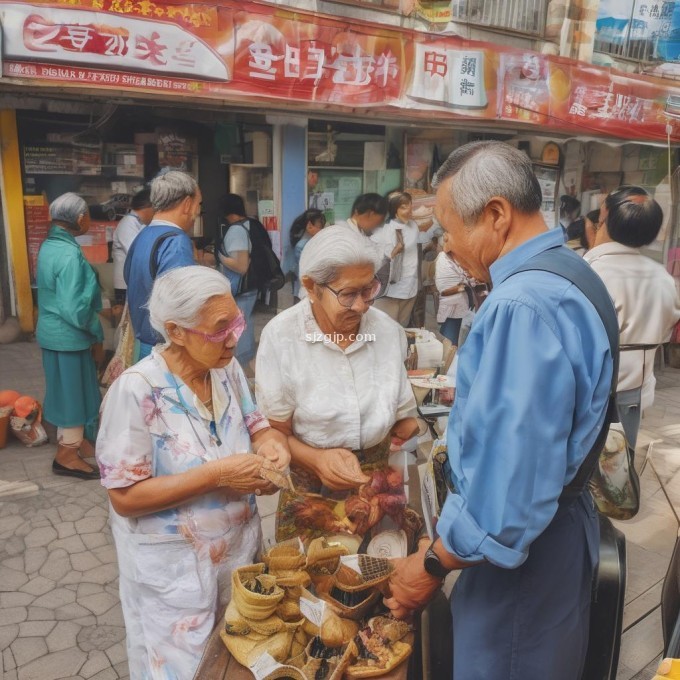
482, 170
171, 188
68, 208
334, 248
180, 295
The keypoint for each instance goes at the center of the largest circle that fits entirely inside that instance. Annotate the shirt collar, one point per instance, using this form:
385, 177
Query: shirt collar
506, 265
158, 223
610, 248
62, 234
312, 333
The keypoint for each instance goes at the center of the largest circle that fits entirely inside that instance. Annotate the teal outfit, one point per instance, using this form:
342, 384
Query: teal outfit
69, 302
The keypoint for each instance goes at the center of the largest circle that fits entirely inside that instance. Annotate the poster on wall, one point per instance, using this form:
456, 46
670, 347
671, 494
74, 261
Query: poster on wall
48, 159
548, 178
37, 219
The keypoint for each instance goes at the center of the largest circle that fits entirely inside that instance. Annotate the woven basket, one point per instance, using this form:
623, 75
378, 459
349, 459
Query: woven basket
252, 605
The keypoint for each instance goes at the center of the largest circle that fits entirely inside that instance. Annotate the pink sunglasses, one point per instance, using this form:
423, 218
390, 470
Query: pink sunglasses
235, 328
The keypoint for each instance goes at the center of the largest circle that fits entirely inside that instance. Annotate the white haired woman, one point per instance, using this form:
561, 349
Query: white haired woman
70, 335
175, 451
330, 375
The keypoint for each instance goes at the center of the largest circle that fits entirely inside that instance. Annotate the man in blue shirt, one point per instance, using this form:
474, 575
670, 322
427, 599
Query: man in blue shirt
160, 247
532, 388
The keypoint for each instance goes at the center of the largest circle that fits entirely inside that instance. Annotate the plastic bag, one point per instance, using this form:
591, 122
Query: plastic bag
26, 422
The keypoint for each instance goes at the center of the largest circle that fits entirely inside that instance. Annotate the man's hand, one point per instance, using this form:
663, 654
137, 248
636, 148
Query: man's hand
411, 586
339, 469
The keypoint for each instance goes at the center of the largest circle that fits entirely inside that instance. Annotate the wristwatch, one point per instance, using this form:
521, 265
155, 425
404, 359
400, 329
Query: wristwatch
433, 565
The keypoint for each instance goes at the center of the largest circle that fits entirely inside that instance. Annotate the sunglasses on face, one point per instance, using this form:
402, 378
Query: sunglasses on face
235, 328
346, 298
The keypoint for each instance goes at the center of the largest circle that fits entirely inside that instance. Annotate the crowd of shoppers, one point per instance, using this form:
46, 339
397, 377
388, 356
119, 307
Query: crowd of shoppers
183, 447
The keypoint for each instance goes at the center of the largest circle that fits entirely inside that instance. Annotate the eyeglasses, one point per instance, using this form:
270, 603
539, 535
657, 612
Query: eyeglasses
347, 298
235, 328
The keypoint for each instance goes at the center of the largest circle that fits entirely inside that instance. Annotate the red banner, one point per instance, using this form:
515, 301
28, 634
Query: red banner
255, 52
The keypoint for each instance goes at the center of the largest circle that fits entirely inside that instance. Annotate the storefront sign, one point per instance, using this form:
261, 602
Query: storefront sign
247, 51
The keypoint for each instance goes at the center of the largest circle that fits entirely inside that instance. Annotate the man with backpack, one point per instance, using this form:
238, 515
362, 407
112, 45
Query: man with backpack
160, 247
243, 253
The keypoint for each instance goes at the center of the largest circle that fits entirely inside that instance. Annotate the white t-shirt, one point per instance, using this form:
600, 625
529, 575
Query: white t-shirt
123, 236
407, 286
647, 308
447, 274
347, 398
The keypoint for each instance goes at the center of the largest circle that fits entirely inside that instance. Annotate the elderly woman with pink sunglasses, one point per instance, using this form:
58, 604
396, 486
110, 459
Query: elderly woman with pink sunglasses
182, 449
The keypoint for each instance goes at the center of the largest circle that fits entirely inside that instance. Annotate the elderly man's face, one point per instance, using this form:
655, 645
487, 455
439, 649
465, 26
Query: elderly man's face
474, 247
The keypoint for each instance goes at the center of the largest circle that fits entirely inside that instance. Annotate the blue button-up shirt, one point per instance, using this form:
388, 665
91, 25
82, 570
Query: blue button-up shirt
532, 388
176, 251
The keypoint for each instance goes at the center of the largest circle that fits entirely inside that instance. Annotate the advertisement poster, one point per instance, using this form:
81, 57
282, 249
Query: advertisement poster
258, 53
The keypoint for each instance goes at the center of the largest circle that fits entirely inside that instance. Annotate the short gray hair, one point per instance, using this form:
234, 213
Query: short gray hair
180, 295
482, 170
171, 188
333, 249
68, 208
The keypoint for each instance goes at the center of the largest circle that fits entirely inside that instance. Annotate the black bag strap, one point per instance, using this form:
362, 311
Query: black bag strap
563, 262
153, 257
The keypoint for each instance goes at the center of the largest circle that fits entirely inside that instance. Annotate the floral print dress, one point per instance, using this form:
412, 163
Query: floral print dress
175, 565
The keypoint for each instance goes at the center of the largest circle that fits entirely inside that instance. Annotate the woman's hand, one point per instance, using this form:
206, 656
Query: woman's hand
404, 429
339, 469
98, 353
399, 248
276, 453
241, 472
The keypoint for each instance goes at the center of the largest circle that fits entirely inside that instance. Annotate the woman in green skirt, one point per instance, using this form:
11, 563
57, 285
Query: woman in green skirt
70, 335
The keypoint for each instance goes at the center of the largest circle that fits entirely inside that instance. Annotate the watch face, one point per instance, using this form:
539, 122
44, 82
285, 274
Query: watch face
433, 566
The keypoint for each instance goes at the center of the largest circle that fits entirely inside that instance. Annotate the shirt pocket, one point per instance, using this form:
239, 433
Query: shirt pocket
170, 572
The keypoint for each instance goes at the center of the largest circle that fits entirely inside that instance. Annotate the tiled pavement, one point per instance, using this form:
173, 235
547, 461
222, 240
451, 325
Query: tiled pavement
59, 612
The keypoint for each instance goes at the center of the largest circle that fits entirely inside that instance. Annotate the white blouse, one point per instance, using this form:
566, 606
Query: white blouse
347, 398
447, 274
647, 308
407, 286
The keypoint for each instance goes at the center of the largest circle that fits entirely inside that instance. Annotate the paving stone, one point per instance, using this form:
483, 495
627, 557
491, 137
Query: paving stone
8, 525
96, 661
63, 636
10, 675
117, 653
56, 569
71, 578
59, 597
23, 530
86, 621
38, 586
71, 512
54, 666
102, 638
85, 589
70, 611
113, 617
36, 628
108, 674
122, 669
7, 635
11, 579
99, 603
27, 649
72, 545
40, 614
104, 574
84, 561
93, 541
106, 554
15, 599
34, 558
90, 525
14, 545
40, 536
8, 660
16, 563
65, 529
14, 615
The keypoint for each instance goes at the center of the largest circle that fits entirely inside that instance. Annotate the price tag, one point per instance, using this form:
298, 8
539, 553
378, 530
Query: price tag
313, 610
352, 561
264, 666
